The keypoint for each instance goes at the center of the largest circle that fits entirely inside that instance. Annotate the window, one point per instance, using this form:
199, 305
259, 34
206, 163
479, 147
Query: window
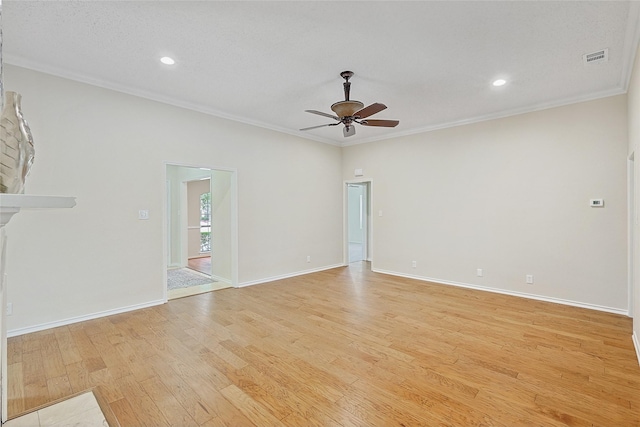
205, 222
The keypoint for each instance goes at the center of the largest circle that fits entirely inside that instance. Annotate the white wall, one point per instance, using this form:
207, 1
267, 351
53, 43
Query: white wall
109, 150
633, 96
510, 196
222, 225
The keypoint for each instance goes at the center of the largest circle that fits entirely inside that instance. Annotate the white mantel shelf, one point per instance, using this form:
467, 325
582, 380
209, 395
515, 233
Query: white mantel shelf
11, 204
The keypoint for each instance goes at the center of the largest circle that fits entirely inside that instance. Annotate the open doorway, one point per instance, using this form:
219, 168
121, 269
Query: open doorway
358, 234
201, 231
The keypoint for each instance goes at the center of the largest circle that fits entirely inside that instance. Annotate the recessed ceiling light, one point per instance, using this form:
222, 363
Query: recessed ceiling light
499, 82
167, 61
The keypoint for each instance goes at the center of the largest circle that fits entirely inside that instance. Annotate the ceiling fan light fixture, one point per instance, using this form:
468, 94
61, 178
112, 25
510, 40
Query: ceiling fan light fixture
346, 108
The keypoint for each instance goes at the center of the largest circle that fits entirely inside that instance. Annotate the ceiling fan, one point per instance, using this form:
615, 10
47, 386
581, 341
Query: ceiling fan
349, 112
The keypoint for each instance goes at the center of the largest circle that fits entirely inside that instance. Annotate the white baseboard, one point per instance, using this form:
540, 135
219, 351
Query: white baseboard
49, 325
512, 293
221, 280
288, 275
636, 344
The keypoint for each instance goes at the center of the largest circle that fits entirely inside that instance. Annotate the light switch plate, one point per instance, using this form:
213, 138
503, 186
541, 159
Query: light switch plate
143, 214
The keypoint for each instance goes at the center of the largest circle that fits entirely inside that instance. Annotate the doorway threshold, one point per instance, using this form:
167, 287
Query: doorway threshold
195, 290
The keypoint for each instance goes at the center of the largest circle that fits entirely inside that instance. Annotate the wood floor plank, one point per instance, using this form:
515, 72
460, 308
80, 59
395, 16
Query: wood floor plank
68, 349
112, 358
59, 387
52, 358
125, 413
197, 408
78, 376
133, 362
167, 403
106, 384
343, 347
90, 356
15, 385
146, 409
14, 350
216, 404
252, 409
36, 394
263, 390
33, 367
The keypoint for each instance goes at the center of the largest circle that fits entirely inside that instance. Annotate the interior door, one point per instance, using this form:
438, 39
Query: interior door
357, 221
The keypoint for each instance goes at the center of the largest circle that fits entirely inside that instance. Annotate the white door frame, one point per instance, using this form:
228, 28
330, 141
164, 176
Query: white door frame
234, 219
632, 271
369, 219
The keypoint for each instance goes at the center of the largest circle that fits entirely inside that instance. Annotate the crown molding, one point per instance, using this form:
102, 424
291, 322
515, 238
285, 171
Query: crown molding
70, 75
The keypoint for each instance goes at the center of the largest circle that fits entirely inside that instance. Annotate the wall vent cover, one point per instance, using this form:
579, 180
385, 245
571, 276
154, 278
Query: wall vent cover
599, 56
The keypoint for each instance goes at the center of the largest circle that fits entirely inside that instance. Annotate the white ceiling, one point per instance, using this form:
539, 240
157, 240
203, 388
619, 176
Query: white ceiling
265, 62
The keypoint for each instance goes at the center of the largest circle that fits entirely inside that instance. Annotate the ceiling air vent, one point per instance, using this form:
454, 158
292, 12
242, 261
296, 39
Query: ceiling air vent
595, 57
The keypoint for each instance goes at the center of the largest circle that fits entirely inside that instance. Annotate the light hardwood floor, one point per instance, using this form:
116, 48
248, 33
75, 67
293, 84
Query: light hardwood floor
202, 264
344, 347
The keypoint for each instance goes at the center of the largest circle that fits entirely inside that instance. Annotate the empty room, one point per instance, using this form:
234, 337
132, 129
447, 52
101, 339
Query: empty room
399, 213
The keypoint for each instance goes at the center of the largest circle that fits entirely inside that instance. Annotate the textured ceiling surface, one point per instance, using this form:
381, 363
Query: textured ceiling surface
264, 62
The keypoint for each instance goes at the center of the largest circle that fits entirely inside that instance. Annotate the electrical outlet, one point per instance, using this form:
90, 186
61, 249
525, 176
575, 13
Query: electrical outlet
308, 258
414, 264
479, 272
9, 308
143, 214
529, 279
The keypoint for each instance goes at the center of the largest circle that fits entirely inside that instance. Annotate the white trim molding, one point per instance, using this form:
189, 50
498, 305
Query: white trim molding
220, 279
288, 275
69, 321
511, 293
636, 344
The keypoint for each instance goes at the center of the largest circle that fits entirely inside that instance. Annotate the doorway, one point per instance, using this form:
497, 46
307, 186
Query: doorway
358, 233
201, 230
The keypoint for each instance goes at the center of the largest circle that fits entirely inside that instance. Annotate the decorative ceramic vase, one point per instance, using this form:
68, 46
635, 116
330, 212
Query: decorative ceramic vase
16, 150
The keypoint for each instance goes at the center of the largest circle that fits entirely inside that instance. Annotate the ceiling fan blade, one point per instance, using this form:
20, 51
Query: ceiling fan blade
320, 126
320, 113
383, 123
349, 131
370, 110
